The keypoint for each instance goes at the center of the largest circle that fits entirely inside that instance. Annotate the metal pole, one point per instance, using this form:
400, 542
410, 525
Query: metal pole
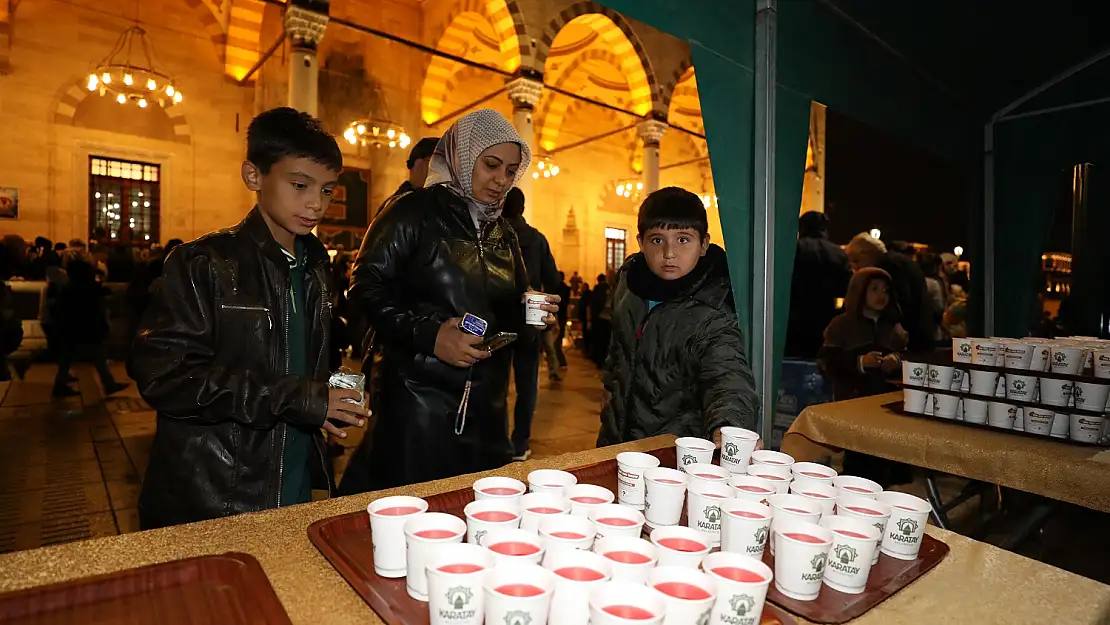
763, 231
1055, 109
988, 229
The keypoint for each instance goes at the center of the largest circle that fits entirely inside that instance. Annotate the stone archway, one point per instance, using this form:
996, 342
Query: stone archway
66, 109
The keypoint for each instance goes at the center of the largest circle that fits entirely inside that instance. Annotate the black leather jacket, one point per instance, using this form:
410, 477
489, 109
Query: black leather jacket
422, 262
210, 357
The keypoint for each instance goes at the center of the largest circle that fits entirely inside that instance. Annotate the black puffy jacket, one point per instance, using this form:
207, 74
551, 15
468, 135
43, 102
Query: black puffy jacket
210, 357
680, 368
423, 262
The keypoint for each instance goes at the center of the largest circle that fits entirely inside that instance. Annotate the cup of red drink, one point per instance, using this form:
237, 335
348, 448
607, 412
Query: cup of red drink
771, 457
793, 507
821, 493
688, 593
778, 475
584, 497
802, 549
613, 519
455, 575
535, 507
859, 486
703, 509
871, 511
514, 546
666, 491
630, 477
424, 533
752, 487
854, 545
631, 558
577, 573
565, 532
550, 481
690, 450
737, 446
388, 516
485, 515
624, 603
519, 593
699, 472
498, 487
680, 546
812, 472
742, 583
904, 531
745, 526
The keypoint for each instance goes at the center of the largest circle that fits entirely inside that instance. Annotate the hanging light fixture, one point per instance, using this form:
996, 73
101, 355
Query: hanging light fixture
545, 168
630, 189
377, 133
128, 73
708, 200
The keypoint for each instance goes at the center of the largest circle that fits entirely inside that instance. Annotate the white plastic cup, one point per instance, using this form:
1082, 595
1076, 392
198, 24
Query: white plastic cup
1001, 415
533, 313
622, 603
703, 509
914, 401
961, 350
908, 515
858, 486
516, 546
577, 573
928, 404
699, 472
821, 493
1019, 419
913, 373
455, 575
745, 527
616, 520
688, 593
975, 411
1061, 423
871, 511
485, 515
771, 457
742, 583
984, 383
680, 546
551, 481
424, 534
1039, 421
812, 472
519, 593
1102, 363
1042, 352
585, 497
959, 379
1021, 387
945, 406
1055, 392
1090, 395
535, 507
985, 352
630, 477
388, 516
795, 507
1086, 428
940, 376
854, 544
1067, 359
565, 532
631, 558
1019, 355
691, 450
666, 491
498, 487
737, 445
752, 488
803, 549
780, 476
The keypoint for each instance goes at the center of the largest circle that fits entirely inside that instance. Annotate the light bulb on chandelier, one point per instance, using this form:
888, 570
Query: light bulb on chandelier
125, 77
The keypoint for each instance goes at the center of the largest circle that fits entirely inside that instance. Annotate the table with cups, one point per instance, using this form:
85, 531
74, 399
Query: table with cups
578, 554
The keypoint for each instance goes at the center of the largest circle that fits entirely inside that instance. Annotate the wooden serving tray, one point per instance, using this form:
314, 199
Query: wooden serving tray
345, 542
229, 589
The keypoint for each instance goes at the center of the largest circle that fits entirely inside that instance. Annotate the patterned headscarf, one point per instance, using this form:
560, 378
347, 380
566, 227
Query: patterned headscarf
458, 150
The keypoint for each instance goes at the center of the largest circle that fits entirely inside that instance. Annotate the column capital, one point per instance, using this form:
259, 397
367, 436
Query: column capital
651, 131
305, 27
524, 91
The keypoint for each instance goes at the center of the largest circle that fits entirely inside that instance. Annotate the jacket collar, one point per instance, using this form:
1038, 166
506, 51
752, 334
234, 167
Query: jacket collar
254, 226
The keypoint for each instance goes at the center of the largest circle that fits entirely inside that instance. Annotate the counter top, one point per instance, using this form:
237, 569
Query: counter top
976, 583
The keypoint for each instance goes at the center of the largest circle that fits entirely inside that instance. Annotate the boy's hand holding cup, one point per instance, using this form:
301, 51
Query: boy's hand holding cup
871, 360
343, 407
540, 308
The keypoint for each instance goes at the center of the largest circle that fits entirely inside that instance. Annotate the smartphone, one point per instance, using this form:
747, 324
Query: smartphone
497, 341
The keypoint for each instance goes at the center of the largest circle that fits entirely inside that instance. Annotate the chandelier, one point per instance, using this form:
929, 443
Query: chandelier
377, 133
546, 168
630, 189
708, 200
128, 74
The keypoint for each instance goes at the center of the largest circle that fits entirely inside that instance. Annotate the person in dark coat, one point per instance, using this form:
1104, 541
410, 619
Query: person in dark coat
821, 275
583, 310
419, 157
601, 323
431, 257
676, 362
563, 291
908, 281
81, 318
861, 354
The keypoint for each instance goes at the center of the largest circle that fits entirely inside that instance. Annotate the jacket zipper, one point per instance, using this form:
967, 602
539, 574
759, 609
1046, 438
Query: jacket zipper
284, 426
320, 357
269, 317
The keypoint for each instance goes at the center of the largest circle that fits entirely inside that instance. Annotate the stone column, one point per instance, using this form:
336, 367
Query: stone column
813, 188
525, 93
305, 29
651, 133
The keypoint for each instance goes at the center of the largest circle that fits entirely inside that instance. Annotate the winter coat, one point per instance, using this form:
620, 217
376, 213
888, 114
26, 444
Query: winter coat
821, 275
680, 368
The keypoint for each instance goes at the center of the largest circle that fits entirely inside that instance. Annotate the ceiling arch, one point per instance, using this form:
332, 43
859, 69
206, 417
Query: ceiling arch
244, 31
70, 100
572, 77
213, 19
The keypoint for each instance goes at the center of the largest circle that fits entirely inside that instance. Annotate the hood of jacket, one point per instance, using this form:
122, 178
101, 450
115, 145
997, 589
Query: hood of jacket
856, 298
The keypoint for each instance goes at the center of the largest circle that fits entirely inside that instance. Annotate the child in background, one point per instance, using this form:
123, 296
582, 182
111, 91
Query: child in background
676, 362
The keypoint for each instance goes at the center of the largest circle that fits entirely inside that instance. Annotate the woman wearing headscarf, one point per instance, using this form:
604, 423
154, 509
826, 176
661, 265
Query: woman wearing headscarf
432, 256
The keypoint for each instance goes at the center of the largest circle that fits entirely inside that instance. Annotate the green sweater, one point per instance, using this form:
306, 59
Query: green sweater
296, 481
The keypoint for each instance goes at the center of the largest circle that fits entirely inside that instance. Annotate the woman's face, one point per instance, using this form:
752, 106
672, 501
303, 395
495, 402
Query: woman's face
495, 171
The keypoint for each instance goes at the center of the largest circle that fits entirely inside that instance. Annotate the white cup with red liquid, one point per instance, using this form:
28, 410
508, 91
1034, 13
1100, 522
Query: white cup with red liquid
771, 457
859, 486
584, 497
424, 533
745, 526
616, 520
485, 515
802, 551
811, 471
624, 603
455, 576
742, 583
737, 445
688, 593
680, 546
870, 511
519, 593
388, 516
551, 481
691, 450
778, 475
630, 477
751, 487
703, 508
577, 573
855, 543
821, 493
707, 473
565, 532
632, 558
791, 507
498, 487
666, 491
535, 507
511, 546
904, 531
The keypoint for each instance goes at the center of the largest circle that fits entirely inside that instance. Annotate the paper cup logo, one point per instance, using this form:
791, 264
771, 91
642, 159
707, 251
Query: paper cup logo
688, 459
704, 618
907, 526
459, 597
934, 374
761, 536
518, 617
918, 372
1019, 385
479, 536
1077, 392
818, 562
732, 450
965, 348
741, 604
1059, 357
879, 526
845, 554
712, 514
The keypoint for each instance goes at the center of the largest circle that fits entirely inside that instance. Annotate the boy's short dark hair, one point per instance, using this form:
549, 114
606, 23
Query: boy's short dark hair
424, 148
288, 133
673, 208
514, 204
